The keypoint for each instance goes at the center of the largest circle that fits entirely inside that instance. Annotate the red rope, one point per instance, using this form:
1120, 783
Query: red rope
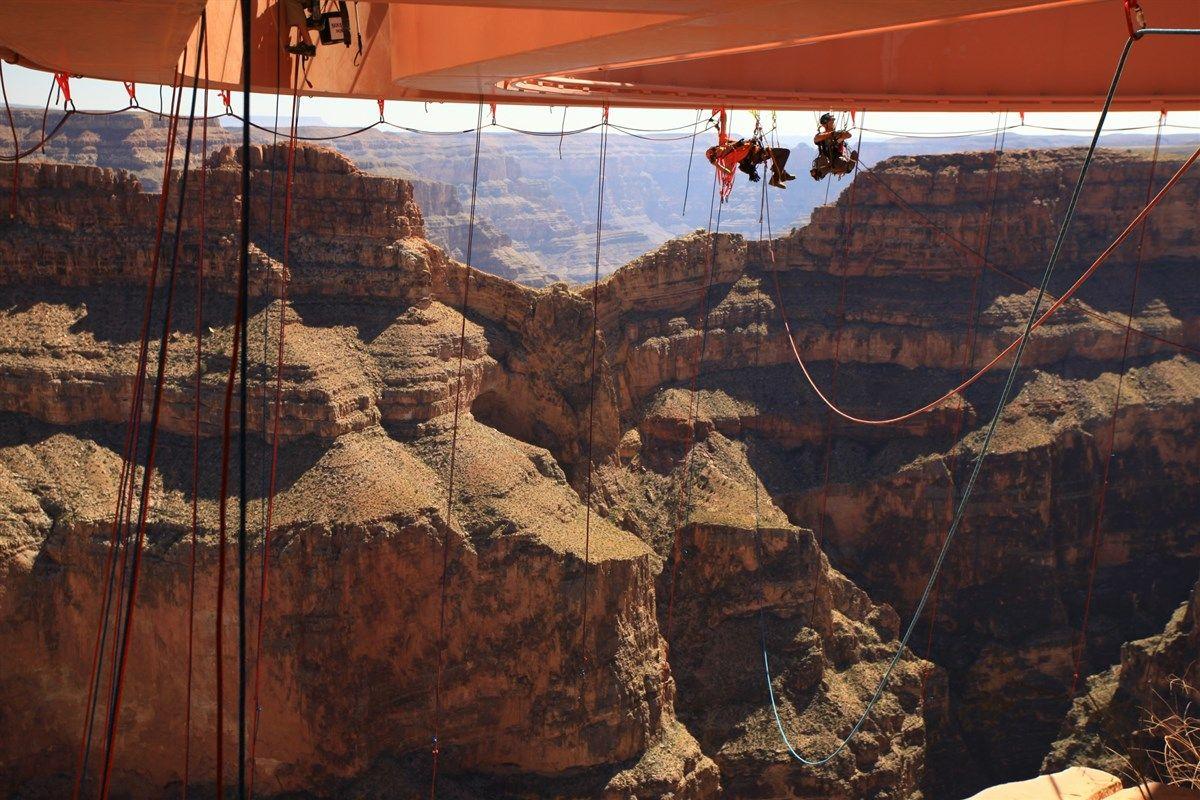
199, 334
151, 450
1102, 492
1041, 320
276, 413
973, 314
847, 233
125, 483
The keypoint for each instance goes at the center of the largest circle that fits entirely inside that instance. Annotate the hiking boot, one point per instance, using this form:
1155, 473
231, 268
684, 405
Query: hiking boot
305, 49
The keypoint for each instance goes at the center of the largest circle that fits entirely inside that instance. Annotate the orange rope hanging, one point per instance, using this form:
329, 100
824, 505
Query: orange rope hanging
1041, 320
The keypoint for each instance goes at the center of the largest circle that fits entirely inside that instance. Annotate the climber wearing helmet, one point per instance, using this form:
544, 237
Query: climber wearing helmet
831, 150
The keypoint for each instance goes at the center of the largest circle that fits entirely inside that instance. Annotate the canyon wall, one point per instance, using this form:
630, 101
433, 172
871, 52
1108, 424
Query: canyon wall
557, 678
614, 647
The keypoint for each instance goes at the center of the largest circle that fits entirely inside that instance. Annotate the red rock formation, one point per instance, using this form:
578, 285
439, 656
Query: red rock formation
373, 334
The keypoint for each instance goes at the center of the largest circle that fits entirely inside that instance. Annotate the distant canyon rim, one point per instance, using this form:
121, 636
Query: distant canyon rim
809, 537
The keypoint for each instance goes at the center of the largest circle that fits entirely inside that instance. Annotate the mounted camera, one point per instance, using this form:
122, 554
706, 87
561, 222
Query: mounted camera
331, 21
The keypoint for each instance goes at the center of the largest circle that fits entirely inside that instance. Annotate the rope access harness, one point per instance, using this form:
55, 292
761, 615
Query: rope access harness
1020, 345
435, 745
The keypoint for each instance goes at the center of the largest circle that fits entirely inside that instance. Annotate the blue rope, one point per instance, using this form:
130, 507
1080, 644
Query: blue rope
971, 481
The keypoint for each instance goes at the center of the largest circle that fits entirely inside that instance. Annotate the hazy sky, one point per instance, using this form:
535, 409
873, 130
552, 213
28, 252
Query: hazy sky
28, 87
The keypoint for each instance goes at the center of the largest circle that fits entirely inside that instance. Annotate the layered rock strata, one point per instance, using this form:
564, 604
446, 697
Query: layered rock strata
671, 698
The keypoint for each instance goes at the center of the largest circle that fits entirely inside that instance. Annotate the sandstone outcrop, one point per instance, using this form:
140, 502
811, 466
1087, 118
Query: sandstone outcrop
1074, 783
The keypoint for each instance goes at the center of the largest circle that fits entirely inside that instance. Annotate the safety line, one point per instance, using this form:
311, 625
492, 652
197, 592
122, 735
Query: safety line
587, 517
128, 467
243, 327
289, 178
990, 431
155, 411
687, 181
435, 749
12, 125
1102, 492
847, 236
714, 239
199, 334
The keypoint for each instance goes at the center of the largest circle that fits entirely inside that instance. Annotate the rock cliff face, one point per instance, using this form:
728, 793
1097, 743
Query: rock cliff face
1010, 602
585, 707
652, 683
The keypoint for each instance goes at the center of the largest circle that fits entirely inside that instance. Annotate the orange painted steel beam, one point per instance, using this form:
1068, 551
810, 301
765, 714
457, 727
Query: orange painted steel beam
932, 55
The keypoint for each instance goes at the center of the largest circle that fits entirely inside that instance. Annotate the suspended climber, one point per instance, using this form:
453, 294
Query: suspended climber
832, 158
730, 156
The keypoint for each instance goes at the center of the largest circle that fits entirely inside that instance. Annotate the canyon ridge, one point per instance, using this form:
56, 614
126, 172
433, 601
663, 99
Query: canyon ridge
631, 529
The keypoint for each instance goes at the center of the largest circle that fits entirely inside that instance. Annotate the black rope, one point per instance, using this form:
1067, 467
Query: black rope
973, 478
687, 181
123, 627
16, 173
435, 749
587, 519
242, 331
